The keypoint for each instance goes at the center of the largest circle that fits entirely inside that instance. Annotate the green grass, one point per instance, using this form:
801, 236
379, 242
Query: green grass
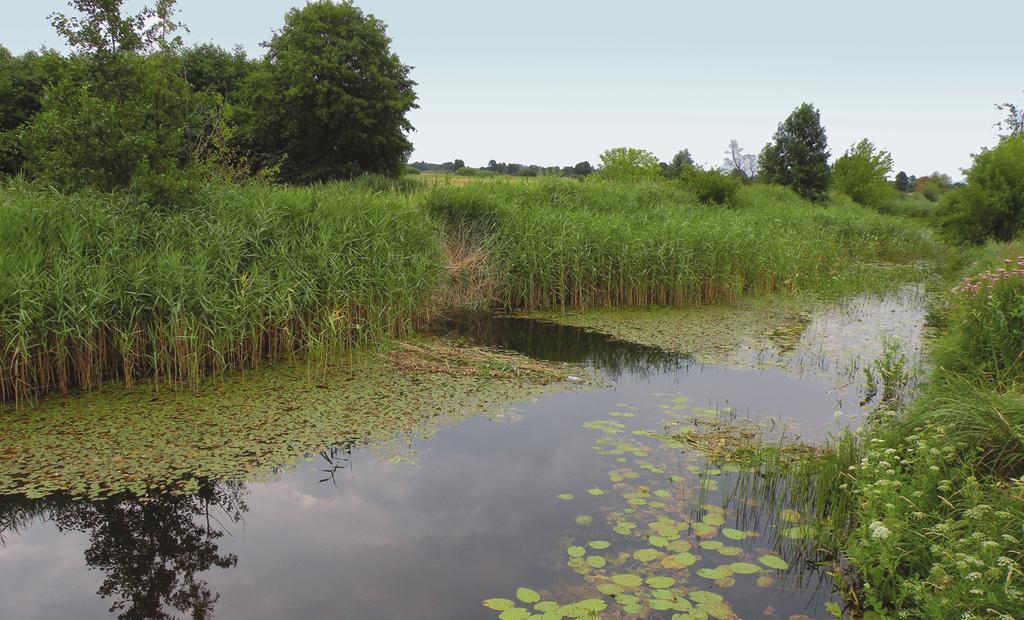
96, 287
567, 244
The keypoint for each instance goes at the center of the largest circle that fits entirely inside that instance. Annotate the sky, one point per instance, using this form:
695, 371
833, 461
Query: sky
555, 83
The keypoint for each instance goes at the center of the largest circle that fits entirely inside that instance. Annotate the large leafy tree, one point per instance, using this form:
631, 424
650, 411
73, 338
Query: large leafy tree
798, 155
330, 100
862, 174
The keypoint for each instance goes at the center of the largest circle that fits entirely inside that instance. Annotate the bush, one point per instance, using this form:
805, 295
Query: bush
628, 164
467, 172
990, 205
126, 122
712, 187
862, 174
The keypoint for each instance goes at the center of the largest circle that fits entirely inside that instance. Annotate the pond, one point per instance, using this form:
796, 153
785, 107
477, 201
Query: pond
584, 503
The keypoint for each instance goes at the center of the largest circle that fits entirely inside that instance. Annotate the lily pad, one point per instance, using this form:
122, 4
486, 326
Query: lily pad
499, 604
527, 595
772, 561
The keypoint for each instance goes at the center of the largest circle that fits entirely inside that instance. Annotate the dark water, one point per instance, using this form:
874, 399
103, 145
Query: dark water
431, 528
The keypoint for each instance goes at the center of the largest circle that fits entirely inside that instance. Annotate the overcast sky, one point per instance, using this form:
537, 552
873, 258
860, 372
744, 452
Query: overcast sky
551, 82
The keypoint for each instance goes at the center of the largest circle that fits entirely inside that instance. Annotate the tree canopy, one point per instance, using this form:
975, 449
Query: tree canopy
798, 155
331, 98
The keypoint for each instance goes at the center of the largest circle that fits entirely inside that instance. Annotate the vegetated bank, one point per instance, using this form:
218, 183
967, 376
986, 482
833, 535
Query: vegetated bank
102, 287
564, 244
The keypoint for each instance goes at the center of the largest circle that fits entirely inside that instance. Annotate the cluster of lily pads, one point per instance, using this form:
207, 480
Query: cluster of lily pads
667, 547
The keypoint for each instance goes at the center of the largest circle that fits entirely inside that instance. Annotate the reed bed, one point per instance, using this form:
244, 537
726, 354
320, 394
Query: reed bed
97, 287
565, 244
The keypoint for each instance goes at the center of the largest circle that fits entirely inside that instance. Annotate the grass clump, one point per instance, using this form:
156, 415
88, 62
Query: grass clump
99, 286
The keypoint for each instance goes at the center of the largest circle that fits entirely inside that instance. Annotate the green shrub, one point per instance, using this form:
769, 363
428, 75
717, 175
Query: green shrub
861, 173
712, 187
990, 205
628, 164
128, 122
467, 172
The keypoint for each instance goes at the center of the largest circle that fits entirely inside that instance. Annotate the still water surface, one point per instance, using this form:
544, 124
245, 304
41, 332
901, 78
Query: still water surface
431, 527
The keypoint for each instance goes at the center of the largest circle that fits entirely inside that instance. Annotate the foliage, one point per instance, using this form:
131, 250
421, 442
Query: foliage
583, 169
330, 99
209, 68
712, 187
123, 123
98, 286
933, 186
102, 30
862, 174
798, 154
628, 164
681, 164
23, 81
902, 182
990, 205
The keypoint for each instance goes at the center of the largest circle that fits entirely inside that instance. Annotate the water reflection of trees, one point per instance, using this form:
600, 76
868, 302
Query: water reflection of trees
562, 343
153, 552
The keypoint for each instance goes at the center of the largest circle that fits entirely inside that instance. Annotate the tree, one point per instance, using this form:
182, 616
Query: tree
628, 164
991, 204
458, 164
902, 182
583, 169
213, 69
331, 98
737, 162
862, 174
101, 29
122, 116
23, 81
798, 155
682, 163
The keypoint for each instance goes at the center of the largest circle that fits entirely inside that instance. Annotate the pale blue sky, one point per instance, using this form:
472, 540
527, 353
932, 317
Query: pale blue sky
558, 82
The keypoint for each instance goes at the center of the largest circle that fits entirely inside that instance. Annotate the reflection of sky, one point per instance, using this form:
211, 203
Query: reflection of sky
474, 516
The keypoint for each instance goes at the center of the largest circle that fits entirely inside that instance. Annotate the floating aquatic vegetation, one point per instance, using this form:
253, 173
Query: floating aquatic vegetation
675, 545
113, 441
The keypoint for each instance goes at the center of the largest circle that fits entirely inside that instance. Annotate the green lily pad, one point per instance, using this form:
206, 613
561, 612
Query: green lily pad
499, 604
596, 561
599, 544
627, 580
745, 568
646, 555
660, 582
566, 496
733, 534
710, 573
772, 561
527, 595
576, 551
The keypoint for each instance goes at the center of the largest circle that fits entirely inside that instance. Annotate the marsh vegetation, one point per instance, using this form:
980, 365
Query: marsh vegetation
640, 389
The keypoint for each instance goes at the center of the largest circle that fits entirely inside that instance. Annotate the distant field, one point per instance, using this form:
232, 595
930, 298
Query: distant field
432, 179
